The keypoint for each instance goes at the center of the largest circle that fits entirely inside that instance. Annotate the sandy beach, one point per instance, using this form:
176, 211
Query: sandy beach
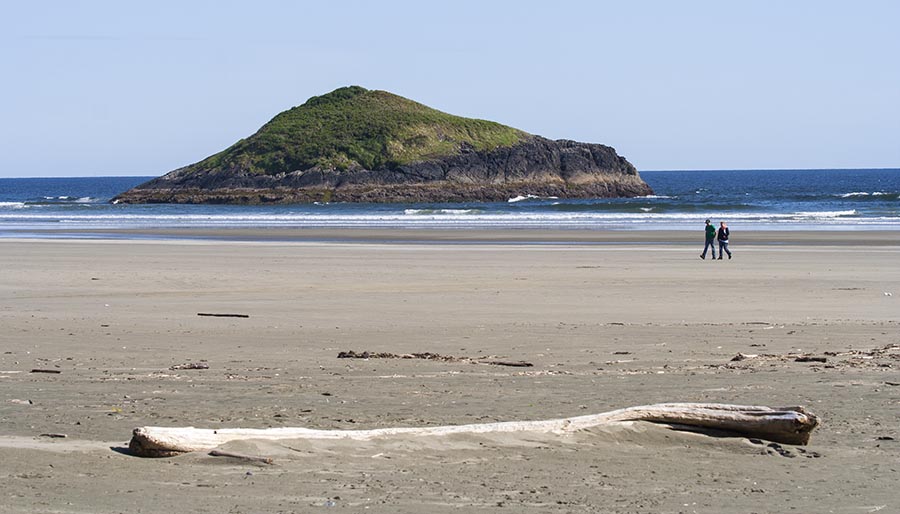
608, 320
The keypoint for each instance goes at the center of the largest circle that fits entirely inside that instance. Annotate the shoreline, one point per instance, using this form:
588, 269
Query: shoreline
469, 236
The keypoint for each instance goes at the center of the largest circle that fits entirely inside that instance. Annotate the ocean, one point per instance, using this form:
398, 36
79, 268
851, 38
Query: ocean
746, 199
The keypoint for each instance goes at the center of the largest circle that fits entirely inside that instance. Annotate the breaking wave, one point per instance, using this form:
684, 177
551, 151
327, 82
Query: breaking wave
432, 212
876, 195
530, 197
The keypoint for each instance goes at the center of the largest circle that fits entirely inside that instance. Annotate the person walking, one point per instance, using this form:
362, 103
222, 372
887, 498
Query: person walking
710, 240
723, 241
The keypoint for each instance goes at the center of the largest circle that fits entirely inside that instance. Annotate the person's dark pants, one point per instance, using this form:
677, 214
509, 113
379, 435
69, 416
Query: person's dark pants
723, 249
711, 245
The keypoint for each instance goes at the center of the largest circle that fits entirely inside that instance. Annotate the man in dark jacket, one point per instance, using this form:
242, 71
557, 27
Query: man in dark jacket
710, 240
723, 241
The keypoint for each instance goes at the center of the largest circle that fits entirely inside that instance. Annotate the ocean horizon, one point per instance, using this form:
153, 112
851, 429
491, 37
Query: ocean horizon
808, 199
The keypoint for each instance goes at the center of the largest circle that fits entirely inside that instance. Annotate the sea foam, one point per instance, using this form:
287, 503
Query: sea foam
440, 211
530, 197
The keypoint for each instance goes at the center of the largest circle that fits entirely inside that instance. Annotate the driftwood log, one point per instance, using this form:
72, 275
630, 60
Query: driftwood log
431, 357
789, 425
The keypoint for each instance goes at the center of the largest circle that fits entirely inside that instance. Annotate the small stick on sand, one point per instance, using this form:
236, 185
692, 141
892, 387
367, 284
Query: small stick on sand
251, 458
53, 371
517, 364
190, 365
215, 315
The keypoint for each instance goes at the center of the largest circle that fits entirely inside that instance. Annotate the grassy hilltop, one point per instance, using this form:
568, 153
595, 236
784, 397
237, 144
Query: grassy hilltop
356, 145
355, 128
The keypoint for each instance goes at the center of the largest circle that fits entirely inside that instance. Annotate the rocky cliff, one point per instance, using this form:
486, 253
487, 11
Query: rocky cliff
355, 145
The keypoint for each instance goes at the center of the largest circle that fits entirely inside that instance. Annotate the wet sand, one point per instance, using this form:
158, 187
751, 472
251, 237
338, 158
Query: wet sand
623, 323
489, 235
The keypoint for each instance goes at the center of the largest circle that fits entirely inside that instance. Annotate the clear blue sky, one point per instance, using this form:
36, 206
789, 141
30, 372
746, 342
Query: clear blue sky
140, 88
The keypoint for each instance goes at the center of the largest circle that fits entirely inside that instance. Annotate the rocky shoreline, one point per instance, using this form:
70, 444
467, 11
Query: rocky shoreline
537, 166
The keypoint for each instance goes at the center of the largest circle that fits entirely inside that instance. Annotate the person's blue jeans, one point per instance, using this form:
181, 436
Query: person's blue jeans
723, 249
711, 245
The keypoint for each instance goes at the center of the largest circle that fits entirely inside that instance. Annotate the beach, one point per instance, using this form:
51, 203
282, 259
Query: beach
608, 319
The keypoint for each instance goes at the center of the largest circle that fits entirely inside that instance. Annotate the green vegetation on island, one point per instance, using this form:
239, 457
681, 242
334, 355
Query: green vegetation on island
357, 145
355, 128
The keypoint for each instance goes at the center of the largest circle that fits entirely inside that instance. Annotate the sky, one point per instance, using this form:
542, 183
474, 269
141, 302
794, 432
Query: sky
97, 88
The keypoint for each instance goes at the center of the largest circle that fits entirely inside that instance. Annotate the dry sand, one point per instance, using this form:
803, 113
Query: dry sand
605, 325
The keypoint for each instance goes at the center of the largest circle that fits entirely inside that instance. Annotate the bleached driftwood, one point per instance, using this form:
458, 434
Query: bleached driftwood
789, 425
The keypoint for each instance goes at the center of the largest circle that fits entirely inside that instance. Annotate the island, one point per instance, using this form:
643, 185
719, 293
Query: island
360, 145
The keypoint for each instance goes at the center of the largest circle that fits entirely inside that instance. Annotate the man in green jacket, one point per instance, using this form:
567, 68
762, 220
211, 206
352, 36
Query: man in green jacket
710, 240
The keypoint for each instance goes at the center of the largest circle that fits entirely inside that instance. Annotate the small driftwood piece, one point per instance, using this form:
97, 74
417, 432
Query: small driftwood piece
51, 371
216, 315
190, 365
431, 357
789, 425
514, 364
884, 356
241, 456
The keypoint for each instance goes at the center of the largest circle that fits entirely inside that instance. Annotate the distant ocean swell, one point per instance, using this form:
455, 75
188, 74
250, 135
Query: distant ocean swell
460, 218
748, 200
